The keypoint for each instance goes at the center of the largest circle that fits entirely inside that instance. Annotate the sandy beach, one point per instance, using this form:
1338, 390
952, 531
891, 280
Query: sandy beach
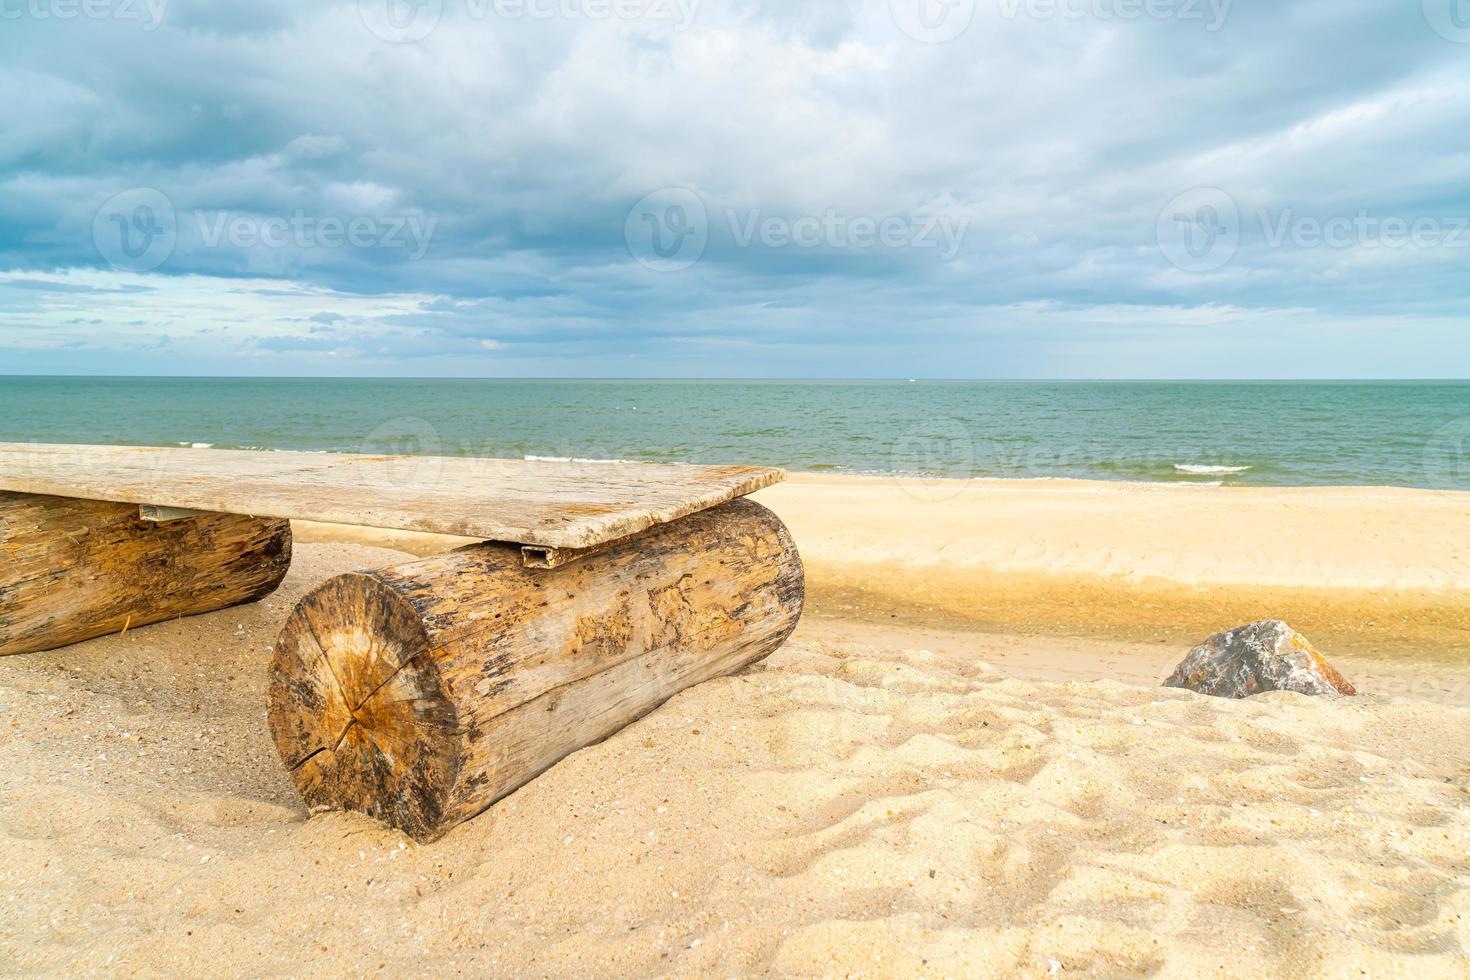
962, 763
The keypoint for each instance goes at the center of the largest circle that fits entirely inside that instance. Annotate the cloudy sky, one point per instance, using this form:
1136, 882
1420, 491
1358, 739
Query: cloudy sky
793, 188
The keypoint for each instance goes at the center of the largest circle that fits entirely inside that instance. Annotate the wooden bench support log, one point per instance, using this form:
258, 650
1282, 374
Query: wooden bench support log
423, 693
71, 570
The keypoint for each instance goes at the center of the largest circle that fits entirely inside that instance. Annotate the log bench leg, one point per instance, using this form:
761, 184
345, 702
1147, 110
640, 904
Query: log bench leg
421, 694
71, 570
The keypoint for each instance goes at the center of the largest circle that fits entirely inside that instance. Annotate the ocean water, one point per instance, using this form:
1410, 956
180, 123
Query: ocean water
1279, 433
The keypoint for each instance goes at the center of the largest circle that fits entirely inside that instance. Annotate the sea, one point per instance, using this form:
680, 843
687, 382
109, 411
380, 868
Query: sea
1323, 433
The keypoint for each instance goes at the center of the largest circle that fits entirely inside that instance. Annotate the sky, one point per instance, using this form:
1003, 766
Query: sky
746, 188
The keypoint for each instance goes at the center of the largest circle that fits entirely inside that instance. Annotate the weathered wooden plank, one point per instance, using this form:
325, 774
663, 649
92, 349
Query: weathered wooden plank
74, 569
560, 505
421, 694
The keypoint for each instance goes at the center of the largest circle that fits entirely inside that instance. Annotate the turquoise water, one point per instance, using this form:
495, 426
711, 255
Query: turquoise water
1283, 433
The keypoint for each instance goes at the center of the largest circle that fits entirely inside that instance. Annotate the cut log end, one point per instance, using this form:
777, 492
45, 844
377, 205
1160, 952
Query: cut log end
357, 708
423, 693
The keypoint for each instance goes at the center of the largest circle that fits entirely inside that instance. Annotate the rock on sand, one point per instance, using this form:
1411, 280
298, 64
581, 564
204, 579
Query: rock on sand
1254, 659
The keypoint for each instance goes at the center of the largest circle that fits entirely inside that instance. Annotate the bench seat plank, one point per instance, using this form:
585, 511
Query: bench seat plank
542, 503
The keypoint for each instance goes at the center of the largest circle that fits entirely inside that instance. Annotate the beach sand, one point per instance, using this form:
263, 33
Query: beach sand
962, 763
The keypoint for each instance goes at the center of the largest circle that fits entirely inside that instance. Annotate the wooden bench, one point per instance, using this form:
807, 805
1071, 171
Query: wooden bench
419, 694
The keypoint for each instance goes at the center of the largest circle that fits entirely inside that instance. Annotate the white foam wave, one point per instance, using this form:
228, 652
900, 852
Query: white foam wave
576, 459
1197, 470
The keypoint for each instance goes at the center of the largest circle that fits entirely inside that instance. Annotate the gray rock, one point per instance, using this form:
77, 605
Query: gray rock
1254, 659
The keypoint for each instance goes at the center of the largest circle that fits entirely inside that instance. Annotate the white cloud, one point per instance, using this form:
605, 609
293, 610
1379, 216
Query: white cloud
1058, 140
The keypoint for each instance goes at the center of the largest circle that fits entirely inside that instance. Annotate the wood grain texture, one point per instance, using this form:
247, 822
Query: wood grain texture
548, 503
421, 694
74, 569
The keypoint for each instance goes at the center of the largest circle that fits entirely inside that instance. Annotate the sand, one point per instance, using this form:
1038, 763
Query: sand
888, 795
1380, 574
1346, 538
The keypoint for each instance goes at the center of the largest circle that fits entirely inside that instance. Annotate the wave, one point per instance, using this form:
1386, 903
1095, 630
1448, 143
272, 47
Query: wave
1194, 469
231, 447
579, 459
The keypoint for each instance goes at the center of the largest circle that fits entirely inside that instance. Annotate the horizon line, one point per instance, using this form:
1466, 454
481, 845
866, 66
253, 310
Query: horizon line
776, 379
